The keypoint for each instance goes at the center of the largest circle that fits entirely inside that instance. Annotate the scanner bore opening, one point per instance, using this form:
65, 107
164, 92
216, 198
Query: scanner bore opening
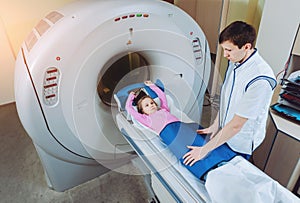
112, 75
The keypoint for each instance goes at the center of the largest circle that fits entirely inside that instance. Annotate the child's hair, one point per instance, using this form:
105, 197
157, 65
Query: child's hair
139, 103
139, 93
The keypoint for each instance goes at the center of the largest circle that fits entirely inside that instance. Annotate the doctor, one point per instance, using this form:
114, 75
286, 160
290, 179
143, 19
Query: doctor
245, 96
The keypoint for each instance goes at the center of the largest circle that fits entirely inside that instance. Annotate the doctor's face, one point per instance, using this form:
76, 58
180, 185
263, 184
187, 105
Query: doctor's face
233, 53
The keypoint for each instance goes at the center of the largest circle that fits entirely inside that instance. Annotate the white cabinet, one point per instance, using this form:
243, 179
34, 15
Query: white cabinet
279, 154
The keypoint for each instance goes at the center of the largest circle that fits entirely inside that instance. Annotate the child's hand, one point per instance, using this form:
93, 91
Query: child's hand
148, 82
137, 91
133, 93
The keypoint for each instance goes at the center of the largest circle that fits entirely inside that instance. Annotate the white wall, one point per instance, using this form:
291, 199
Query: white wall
278, 27
17, 18
7, 62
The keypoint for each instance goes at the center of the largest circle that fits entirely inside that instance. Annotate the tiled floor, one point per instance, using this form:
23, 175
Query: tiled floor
22, 177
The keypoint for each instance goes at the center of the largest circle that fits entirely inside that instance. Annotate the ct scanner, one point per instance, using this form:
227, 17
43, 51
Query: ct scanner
78, 57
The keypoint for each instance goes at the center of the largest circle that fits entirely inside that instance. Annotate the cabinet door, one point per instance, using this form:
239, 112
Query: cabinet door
283, 158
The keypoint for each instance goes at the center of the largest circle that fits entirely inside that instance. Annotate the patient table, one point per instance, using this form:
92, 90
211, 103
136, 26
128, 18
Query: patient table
172, 182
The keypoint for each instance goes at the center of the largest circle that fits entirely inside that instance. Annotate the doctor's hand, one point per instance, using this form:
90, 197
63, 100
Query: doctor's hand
195, 154
204, 131
212, 130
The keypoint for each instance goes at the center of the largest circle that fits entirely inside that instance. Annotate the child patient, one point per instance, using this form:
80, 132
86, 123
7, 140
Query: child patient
175, 134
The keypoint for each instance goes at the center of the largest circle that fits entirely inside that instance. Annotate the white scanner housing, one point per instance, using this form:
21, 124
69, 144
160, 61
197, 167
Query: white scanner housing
76, 57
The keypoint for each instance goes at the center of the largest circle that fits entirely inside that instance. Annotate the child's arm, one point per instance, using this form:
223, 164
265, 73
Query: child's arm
161, 95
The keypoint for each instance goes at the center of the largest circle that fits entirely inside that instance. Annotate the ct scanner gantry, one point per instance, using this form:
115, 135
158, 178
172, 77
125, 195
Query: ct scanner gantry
76, 57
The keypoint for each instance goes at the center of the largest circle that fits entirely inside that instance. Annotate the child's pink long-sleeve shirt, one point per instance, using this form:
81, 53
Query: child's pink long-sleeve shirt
155, 121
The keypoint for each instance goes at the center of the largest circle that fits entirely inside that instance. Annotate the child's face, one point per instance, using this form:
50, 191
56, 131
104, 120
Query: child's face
148, 106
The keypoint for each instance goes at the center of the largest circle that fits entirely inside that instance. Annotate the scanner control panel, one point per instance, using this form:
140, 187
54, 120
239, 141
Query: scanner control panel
50, 86
197, 49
